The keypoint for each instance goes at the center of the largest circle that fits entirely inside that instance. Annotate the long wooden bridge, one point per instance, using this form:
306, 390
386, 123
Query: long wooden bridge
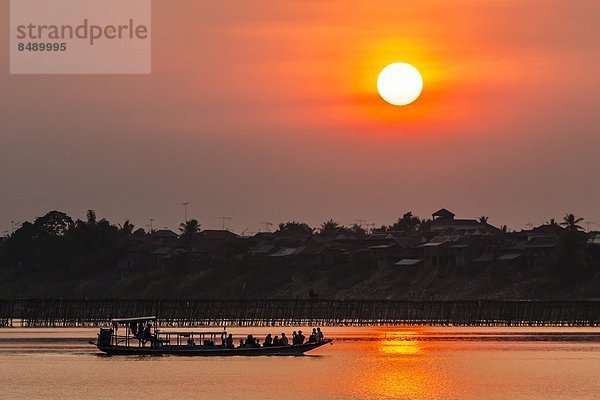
270, 312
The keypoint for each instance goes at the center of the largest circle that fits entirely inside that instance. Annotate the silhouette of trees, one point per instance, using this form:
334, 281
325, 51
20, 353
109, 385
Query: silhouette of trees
295, 228
425, 225
55, 256
139, 232
189, 228
483, 220
54, 223
127, 228
358, 231
91, 217
570, 221
408, 224
329, 228
573, 263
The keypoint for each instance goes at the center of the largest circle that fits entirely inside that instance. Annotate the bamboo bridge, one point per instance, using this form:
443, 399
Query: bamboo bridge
273, 312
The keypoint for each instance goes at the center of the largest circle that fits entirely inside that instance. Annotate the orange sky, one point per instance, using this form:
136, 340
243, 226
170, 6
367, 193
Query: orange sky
267, 110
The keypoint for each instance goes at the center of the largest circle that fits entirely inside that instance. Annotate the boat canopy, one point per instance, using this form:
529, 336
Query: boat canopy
191, 333
136, 319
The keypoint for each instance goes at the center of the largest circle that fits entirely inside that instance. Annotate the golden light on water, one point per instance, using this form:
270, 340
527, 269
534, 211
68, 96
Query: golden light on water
400, 343
404, 370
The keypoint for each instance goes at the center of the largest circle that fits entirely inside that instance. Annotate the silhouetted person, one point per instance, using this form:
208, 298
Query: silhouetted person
276, 341
268, 341
319, 335
294, 338
313, 336
300, 337
147, 331
229, 342
284, 340
241, 343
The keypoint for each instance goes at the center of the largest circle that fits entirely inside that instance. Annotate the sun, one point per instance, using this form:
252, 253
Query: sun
399, 84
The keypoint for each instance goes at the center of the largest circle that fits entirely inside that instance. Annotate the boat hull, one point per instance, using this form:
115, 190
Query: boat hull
189, 351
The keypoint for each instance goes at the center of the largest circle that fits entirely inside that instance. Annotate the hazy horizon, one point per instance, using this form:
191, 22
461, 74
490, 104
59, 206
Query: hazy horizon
268, 111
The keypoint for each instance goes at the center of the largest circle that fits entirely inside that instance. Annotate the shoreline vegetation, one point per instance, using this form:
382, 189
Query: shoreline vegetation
442, 258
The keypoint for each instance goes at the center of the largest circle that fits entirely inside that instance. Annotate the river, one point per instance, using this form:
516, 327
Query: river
363, 363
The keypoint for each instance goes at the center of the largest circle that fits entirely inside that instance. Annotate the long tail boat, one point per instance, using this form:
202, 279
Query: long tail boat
143, 337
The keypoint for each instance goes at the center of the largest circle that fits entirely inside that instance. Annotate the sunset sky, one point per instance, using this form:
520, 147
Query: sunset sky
268, 111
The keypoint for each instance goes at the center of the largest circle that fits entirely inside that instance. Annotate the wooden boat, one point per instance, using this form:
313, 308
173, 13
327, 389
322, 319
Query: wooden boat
152, 341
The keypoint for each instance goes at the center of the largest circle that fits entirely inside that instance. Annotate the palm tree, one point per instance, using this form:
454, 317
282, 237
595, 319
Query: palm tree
91, 217
483, 220
126, 228
329, 228
189, 228
570, 221
293, 227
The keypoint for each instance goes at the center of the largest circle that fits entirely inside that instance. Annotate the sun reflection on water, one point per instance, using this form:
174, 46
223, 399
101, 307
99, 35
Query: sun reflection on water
400, 343
406, 370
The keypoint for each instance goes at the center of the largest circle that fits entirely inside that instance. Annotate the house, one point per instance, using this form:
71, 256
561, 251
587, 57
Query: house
450, 251
395, 249
217, 234
444, 221
164, 234
550, 230
594, 239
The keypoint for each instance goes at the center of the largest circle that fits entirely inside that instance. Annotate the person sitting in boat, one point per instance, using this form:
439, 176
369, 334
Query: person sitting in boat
190, 342
268, 341
320, 336
251, 341
295, 338
300, 338
284, 339
241, 343
147, 330
313, 336
229, 342
277, 341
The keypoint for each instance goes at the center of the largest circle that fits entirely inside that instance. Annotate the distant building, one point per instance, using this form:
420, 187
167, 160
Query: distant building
444, 221
164, 234
551, 230
217, 234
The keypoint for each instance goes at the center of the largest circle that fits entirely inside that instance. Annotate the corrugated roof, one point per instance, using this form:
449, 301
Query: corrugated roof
510, 256
263, 249
485, 257
288, 251
381, 246
405, 262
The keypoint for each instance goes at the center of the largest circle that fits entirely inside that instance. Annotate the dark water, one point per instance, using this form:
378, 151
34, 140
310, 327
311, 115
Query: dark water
364, 363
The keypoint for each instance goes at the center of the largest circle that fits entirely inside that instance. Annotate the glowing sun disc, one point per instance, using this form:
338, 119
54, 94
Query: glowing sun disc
399, 84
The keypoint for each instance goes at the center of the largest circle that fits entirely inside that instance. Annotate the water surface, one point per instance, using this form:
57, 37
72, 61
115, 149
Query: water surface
364, 363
